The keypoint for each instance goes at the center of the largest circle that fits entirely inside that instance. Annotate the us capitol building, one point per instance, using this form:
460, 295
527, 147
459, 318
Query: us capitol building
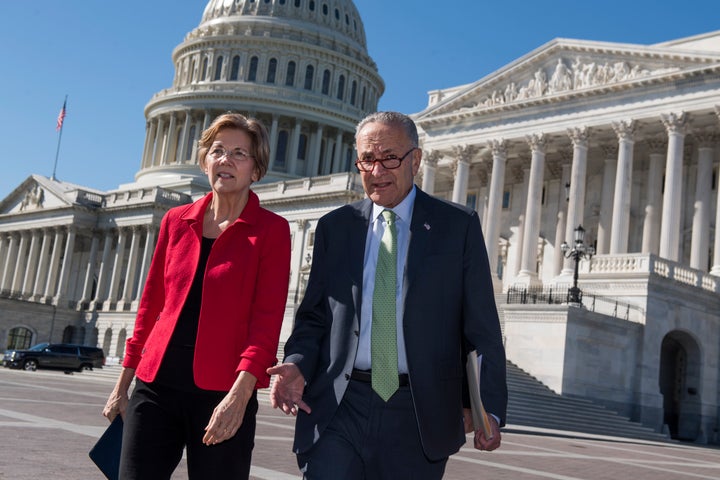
621, 139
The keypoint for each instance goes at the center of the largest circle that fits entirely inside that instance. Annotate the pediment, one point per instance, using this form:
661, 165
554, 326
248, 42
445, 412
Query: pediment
562, 69
38, 193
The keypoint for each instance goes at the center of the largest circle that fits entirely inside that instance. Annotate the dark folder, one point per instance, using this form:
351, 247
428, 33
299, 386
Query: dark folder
106, 452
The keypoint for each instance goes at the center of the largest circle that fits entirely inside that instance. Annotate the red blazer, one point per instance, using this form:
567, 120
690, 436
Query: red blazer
243, 297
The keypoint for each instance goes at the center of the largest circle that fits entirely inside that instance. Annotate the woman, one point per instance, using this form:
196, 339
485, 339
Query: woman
209, 319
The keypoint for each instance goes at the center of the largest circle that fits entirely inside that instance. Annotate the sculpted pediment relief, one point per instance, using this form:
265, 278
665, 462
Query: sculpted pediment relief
31, 195
561, 69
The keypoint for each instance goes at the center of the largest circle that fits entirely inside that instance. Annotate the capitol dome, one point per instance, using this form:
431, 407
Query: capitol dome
300, 66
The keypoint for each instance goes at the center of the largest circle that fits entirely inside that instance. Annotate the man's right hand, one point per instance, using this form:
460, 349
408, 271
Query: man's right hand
287, 389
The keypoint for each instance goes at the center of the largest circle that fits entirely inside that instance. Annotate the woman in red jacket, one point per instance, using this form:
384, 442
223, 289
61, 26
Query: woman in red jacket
209, 320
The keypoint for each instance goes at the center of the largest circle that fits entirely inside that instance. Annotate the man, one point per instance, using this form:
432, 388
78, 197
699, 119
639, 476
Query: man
430, 255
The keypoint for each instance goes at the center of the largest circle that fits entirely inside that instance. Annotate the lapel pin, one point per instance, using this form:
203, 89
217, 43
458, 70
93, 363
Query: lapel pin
427, 227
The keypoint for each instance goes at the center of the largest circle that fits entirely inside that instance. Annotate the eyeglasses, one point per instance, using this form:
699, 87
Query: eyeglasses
216, 153
390, 162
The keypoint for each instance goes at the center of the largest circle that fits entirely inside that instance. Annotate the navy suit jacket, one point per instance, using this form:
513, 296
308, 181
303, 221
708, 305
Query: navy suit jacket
449, 308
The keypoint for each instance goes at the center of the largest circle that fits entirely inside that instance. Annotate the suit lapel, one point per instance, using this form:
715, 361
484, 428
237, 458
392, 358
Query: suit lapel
420, 231
358, 236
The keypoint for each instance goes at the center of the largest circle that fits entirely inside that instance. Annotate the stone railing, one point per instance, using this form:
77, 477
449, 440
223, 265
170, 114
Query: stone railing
642, 263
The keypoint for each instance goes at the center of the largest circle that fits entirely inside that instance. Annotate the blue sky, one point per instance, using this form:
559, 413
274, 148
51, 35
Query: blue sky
110, 57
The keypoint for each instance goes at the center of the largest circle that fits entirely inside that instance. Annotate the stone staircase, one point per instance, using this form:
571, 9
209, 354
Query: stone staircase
532, 404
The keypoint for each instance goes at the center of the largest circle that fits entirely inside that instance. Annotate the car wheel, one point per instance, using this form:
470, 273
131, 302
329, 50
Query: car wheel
30, 365
85, 367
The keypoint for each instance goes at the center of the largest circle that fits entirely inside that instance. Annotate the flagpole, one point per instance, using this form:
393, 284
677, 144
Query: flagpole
60, 122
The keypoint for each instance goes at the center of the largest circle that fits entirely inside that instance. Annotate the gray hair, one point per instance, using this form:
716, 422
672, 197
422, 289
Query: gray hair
391, 118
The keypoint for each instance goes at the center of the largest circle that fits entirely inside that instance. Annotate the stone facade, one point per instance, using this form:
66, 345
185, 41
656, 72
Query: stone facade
621, 139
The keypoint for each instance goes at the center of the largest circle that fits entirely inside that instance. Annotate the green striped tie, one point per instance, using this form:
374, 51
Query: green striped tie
384, 319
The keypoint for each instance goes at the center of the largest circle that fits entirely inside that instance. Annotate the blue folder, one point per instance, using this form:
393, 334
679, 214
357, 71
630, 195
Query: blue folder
106, 452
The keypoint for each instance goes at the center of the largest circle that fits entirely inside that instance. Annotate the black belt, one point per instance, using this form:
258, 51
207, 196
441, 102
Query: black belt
366, 377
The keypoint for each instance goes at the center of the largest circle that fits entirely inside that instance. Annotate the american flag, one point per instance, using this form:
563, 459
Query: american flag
61, 116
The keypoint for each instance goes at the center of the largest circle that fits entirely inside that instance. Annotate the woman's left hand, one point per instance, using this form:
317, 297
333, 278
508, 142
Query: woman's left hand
228, 415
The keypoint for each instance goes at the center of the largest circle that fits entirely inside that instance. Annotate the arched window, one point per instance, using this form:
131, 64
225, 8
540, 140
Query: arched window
362, 100
326, 82
252, 73
281, 154
234, 70
19, 338
272, 69
309, 77
312, 6
341, 87
297, 3
218, 68
325, 9
290, 75
203, 73
353, 93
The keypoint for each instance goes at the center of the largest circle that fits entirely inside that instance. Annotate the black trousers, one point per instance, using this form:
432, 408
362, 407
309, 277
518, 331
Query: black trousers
369, 439
160, 422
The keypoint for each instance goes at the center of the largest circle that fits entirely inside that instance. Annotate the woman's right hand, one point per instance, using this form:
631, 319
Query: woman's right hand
116, 404
118, 401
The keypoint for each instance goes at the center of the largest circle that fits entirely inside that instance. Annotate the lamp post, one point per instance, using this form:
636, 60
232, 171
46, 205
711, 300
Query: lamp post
577, 252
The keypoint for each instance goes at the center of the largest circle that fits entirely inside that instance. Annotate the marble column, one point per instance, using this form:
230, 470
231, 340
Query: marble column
149, 133
131, 266
273, 142
494, 211
43, 265
293, 150
606, 199
158, 148
89, 271
53, 270
528, 271
619, 234
20, 264
578, 178
105, 270
184, 136
703, 186
429, 163
337, 159
117, 269
4, 245
560, 235
314, 160
66, 267
147, 258
463, 156
32, 264
651, 224
675, 124
169, 141
9, 270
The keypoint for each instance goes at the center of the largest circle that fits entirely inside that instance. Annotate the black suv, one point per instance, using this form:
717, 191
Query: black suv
62, 356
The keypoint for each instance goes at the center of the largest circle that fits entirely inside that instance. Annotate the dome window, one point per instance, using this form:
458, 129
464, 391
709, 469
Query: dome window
281, 154
341, 87
309, 77
337, 14
312, 6
218, 68
290, 75
297, 3
282, 2
234, 70
353, 93
326, 82
272, 70
203, 73
325, 9
252, 73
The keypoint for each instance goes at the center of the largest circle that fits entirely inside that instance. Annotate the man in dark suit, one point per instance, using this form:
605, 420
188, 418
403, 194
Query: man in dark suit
360, 415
